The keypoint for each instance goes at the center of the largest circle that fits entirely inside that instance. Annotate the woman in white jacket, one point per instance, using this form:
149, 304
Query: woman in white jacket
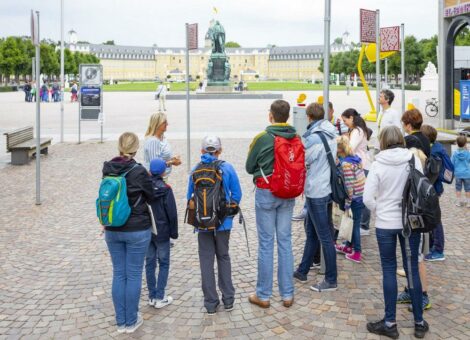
383, 195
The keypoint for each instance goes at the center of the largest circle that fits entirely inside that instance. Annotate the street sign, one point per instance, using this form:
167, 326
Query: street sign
368, 23
91, 92
91, 75
192, 37
390, 39
465, 99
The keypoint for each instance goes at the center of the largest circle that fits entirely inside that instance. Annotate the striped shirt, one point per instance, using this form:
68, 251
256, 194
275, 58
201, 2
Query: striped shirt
157, 148
355, 180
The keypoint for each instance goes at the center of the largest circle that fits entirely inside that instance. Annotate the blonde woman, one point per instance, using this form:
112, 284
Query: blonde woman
156, 145
128, 244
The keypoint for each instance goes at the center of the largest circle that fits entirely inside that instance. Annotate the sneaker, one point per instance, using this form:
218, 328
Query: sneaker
300, 277
459, 203
426, 304
434, 256
228, 307
152, 302
343, 249
324, 287
138, 323
355, 257
404, 297
164, 302
315, 266
213, 310
301, 216
421, 330
365, 232
121, 329
380, 328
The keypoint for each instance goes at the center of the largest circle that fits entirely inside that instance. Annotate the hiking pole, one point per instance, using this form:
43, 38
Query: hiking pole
241, 220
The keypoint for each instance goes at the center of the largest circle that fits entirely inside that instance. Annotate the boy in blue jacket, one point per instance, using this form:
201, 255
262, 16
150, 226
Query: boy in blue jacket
436, 252
166, 220
461, 161
212, 243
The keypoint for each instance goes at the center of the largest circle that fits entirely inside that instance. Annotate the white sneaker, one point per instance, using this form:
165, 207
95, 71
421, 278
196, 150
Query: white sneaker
152, 302
138, 323
164, 302
365, 232
121, 329
459, 203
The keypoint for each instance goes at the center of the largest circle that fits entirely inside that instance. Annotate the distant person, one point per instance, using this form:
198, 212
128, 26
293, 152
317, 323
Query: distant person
128, 244
388, 116
273, 214
161, 96
383, 195
461, 161
33, 91
27, 92
74, 92
213, 240
166, 222
156, 144
44, 93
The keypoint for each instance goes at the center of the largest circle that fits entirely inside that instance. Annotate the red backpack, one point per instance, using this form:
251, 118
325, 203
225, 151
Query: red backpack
288, 177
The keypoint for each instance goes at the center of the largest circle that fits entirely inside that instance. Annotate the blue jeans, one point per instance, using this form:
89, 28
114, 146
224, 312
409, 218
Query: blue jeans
273, 218
365, 217
157, 251
387, 240
462, 182
318, 230
356, 209
127, 251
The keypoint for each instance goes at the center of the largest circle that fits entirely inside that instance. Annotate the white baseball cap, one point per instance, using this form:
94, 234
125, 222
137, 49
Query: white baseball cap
211, 144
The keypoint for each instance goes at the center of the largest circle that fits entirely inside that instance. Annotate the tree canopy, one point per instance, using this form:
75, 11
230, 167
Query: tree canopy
232, 44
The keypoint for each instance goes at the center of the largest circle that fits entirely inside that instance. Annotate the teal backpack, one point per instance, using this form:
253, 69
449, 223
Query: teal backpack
112, 204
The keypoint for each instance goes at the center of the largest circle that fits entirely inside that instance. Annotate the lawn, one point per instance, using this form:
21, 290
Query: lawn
252, 86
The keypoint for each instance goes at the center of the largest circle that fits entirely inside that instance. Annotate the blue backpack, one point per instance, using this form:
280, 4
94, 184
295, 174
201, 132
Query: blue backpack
112, 204
447, 170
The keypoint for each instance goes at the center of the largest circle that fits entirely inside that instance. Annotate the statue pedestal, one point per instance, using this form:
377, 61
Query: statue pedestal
220, 71
219, 89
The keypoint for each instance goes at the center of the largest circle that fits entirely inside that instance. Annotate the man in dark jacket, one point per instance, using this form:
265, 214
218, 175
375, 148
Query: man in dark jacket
166, 226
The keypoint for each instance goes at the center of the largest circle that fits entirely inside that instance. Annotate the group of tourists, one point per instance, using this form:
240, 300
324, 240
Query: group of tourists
284, 165
47, 92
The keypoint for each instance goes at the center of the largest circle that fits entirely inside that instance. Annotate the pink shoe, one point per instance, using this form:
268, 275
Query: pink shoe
344, 249
355, 257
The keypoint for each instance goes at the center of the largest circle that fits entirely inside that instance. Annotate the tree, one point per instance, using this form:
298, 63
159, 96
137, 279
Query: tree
232, 44
338, 41
109, 42
11, 58
50, 64
463, 37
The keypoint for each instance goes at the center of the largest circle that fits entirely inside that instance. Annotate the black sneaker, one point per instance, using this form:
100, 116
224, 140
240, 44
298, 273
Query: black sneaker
379, 327
300, 277
213, 310
228, 307
421, 330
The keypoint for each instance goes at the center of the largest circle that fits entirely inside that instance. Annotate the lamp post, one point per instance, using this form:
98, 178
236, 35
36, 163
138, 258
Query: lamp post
62, 80
326, 57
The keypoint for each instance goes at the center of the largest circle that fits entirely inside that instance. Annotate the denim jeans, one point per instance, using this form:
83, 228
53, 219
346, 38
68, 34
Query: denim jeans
318, 230
387, 240
438, 238
127, 251
157, 251
365, 217
356, 209
273, 218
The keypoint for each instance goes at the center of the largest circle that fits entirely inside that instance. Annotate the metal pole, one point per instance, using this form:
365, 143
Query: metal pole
62, 80
188, 123
326, 58
33, 70
403, 102
386, 72
441, 62
377, 62
38, 120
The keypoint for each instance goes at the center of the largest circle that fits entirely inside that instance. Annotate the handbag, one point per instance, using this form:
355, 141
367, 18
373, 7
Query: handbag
339, 193
346, 227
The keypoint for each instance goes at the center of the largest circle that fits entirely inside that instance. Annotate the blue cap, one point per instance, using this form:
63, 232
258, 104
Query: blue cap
157, 166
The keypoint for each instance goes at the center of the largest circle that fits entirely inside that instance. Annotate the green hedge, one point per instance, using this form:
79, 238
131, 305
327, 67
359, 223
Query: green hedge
8, 88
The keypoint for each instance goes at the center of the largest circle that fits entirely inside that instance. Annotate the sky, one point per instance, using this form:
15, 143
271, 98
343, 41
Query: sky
251, 23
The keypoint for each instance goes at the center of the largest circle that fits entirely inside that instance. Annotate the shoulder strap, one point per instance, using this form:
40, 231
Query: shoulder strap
419, 141
327, 149
135, 166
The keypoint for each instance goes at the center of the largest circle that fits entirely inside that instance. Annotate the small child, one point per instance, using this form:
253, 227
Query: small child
166, 221
461, 161
355, 179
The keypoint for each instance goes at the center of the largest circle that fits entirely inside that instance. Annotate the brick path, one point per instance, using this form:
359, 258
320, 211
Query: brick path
55, 271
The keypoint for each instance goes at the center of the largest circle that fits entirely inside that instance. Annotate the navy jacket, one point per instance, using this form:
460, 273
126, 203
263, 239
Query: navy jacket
438, 150
164, 210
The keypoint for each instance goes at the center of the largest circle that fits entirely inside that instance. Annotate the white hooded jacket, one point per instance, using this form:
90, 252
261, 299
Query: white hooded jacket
384, 186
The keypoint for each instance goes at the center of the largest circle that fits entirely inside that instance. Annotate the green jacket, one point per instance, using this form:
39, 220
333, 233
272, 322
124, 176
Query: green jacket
261, 153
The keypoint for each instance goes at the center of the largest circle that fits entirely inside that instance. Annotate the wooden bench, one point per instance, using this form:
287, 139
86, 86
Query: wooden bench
22, 145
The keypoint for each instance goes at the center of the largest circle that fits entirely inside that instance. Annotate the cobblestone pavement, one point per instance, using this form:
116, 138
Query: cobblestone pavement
55, 271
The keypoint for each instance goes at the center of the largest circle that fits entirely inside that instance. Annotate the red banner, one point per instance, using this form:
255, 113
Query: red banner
368, 23
192, 37
390, 39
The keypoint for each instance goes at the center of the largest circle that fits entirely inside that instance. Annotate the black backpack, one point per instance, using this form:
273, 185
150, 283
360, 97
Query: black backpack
420, 203
208, 207
432, 166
